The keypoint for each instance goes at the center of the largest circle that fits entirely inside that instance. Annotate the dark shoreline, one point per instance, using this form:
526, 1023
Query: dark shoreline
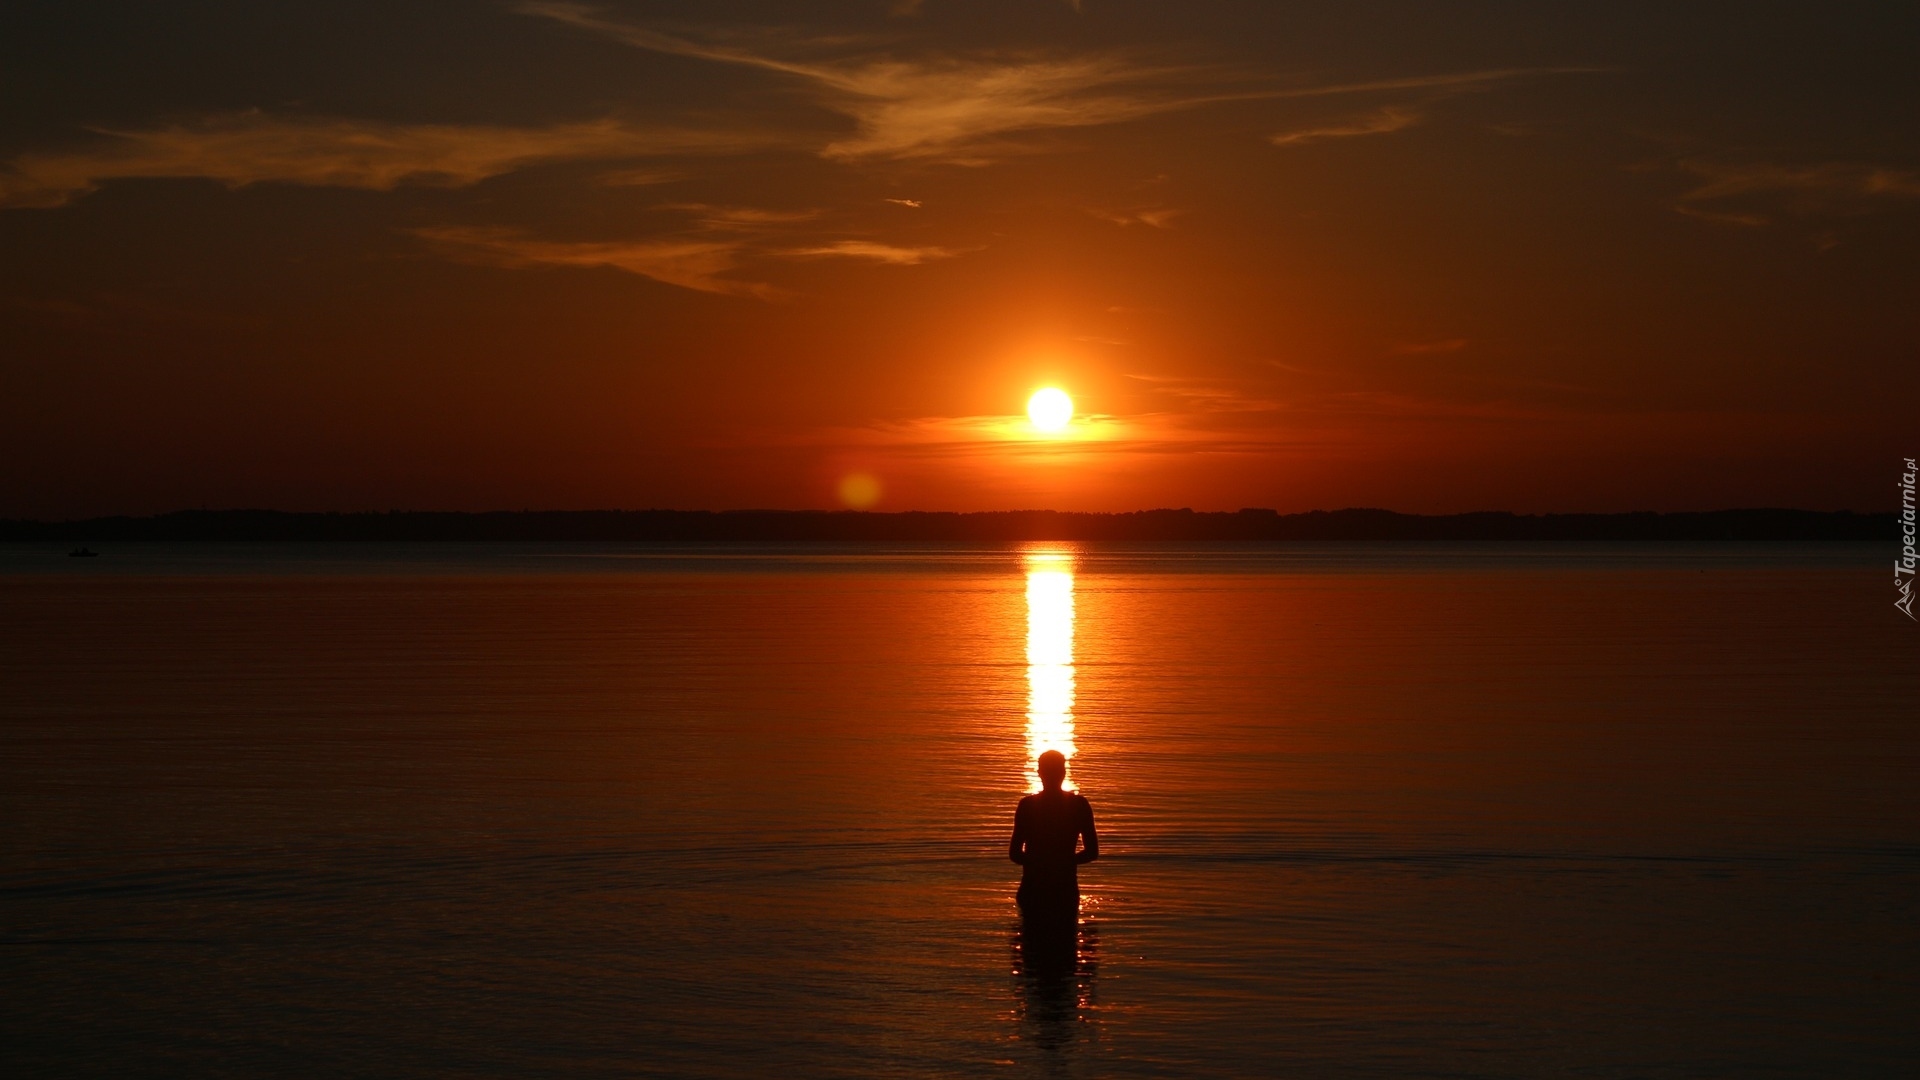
1014, 525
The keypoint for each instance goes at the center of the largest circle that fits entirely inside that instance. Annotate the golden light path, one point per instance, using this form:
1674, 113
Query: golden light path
1049, 656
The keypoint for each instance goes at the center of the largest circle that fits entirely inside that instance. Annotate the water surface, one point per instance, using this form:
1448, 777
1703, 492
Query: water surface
1440, 810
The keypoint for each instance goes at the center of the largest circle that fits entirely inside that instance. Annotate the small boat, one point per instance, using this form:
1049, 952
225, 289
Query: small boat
82, 553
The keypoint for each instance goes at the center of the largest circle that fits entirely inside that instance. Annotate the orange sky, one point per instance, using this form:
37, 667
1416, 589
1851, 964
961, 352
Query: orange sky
553, 255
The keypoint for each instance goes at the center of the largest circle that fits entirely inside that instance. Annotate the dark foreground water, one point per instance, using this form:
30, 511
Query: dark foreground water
606, 811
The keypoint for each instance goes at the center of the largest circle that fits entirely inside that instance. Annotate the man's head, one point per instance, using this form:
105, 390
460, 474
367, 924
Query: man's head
1053, 769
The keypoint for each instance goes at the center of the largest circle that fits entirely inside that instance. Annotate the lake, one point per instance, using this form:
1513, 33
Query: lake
1493, 810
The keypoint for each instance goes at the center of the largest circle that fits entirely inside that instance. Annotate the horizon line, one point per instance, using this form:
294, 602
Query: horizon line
856, 512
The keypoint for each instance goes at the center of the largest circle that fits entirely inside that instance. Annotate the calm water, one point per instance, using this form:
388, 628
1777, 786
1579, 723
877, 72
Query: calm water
717, 811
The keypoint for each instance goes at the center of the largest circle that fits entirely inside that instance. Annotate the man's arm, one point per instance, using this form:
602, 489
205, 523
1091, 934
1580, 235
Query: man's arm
1090, 838
1017, 847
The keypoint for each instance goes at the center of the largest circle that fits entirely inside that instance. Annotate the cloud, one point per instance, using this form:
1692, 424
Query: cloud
1721, 181
1720, 217
702, 258
1755, 195
254, 148
881, 253
741, 218
1158, 219
913, 203
691, 263
1378, 123
1095, 436
1459, 81
972, 434
1392, 118
947, 108
1205, 395
952, 109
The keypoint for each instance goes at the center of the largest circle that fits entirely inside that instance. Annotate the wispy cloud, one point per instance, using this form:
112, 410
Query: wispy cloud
1456, 81
1380, 122
909, 203
875, 252
1392, 118
1205, 395
254, 148
938, 108
947, 435
954, 108
741, 218
1754, 195
1211, 416
1719, 180
1723, 217
691, 263
1010, 438
1428, 89
1158, 218
703, 260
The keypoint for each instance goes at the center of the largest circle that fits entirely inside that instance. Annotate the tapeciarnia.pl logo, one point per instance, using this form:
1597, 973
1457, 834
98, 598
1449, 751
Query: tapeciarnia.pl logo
1904, 565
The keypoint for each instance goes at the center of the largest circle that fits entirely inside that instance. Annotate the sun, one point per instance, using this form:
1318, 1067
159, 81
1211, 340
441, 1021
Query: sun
1050, 409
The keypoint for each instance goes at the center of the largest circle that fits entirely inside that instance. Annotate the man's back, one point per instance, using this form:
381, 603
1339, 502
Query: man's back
1051, 822
1047, 831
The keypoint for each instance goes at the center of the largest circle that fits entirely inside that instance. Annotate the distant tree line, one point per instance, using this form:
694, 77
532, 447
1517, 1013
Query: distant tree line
822, 525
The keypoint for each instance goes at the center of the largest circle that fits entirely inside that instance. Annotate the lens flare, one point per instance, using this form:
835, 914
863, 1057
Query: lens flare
859, 490
1050, 410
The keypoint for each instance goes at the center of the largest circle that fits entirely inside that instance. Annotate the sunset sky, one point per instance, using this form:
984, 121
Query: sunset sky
1427, 257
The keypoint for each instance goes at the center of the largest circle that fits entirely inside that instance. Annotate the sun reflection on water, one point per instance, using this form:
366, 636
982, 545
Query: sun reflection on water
1049, 656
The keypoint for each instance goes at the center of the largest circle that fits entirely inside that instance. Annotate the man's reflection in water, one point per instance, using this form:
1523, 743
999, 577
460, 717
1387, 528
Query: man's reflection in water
1055, 982
1053, 833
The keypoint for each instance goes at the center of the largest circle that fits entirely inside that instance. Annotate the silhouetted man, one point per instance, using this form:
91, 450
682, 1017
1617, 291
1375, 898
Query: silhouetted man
1047, 832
